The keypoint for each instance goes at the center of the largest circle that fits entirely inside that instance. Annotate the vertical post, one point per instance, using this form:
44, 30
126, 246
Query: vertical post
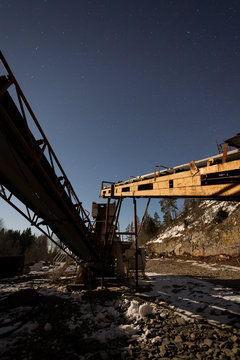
106, 222
136, 238
115, 220
139, 227
105, 242
224, 158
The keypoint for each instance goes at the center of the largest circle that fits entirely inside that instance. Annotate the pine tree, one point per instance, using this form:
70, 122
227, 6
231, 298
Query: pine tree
130, 228
169, 209
150, 227
156, 220
26, 240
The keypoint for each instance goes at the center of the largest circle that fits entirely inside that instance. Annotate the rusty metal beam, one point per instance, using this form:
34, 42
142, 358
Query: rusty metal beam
106, 222
136, 238
53, 158
145, 212
33, 219
113, 226
225, 149
52, 200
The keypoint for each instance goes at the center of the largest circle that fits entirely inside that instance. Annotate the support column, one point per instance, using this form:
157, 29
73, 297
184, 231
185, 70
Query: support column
136, 238
106, 222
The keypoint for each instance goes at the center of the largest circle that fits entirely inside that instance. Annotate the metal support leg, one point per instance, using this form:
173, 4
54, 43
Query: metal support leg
224, 158
106, 222
136, 238
145, 212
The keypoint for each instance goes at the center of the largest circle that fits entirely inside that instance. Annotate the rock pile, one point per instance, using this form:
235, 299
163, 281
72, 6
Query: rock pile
110, 324
165, 335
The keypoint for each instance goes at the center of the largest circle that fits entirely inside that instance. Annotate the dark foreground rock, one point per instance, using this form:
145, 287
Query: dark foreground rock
50, 322
173, 337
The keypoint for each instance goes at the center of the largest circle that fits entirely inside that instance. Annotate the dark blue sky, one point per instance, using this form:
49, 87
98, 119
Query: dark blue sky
121, 86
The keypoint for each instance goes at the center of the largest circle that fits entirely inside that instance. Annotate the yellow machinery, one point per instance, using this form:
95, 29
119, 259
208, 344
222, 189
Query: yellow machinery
217, 178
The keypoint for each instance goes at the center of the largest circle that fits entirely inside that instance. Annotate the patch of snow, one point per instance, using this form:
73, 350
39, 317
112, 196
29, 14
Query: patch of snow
136, 311
113, 332
145, 309
157, 339
132, 311
158, 240
174, 231
193, 298
129, 330
36, 267
213, 267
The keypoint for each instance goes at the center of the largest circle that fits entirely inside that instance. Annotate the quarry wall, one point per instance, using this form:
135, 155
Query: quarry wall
200, 238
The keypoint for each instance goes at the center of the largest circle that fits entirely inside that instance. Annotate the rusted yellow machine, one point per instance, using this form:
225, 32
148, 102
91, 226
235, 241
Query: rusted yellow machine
217, 177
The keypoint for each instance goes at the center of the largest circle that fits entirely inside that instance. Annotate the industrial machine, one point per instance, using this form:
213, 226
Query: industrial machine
31, 175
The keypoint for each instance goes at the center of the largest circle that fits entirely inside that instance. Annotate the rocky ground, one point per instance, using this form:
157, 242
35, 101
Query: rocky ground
223, 272
43, 320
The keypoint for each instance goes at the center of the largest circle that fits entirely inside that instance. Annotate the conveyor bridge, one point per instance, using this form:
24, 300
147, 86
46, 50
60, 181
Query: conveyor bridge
31, 172
216, 178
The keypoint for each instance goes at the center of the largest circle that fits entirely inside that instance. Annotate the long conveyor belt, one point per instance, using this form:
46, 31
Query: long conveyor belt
29, 171
217, 178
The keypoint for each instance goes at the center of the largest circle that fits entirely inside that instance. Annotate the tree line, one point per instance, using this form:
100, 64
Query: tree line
37, 248
152, 225
34, 248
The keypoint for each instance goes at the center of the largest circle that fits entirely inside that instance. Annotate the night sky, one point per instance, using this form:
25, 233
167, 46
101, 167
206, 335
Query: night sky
121, 86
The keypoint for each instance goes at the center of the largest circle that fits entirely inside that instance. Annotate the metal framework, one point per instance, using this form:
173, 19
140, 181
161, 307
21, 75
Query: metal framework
31, 173
110, 230
34, 220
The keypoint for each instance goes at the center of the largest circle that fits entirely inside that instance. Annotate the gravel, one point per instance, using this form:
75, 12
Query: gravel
53, 322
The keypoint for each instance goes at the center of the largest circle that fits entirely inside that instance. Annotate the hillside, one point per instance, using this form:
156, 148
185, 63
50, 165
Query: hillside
207, 228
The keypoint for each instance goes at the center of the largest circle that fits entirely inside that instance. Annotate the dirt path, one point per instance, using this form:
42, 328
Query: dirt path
225, 275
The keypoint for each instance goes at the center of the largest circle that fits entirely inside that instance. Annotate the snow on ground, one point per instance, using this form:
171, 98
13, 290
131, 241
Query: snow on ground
213, 267
136, 311
193, 298
105, 321
186, 296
